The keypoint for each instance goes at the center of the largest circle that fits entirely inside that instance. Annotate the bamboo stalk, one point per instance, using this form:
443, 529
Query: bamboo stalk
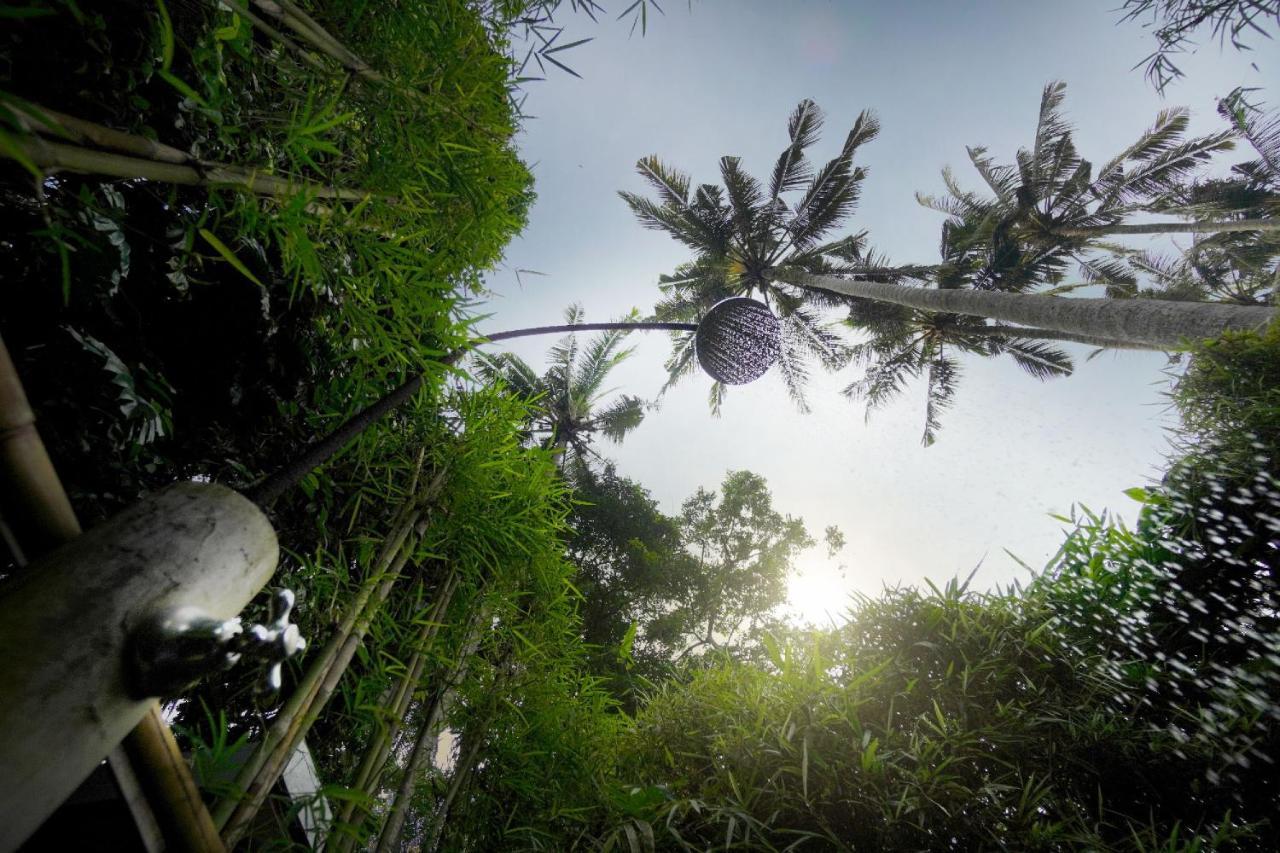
261, 773
318, 37
367, 774
273, 760
33, 502
150, 750
53, 123
74, 158
307, 688
424, 745
254, 20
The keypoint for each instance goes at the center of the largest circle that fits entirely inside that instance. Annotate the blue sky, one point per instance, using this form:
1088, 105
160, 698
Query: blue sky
722, 79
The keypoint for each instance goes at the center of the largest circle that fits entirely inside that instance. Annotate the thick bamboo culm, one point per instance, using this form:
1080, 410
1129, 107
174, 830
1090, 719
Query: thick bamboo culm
259, 774
28, 478
48, 154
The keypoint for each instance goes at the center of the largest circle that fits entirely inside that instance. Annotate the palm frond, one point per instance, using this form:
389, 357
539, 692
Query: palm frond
684, 225
671, 184
886, 377
745, 197
1164, 172
1051, 127
1003, 180
682, 362
1036, 358
599, 357
1261, 130
564, 352
941, 381
1168, 128
510, 370
792, 170
715, 398
620, 417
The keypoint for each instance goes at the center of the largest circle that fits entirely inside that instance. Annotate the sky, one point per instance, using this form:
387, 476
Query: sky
721, 78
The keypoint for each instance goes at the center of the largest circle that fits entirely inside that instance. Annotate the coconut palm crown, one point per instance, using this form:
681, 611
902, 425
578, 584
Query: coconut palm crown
1051, 208
569, 395
741, 231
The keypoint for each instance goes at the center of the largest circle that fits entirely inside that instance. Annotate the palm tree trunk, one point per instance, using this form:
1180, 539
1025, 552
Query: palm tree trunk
274, 485
1004, 331
1203, 226
1157, 323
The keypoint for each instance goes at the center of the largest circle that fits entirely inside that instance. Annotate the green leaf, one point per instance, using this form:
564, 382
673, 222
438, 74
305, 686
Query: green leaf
1139, 494
166, 37
229, 256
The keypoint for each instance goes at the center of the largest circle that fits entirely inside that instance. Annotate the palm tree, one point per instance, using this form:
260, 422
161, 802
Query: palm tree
1050, 207
1047, 211
906, 344
568, 395
741, 232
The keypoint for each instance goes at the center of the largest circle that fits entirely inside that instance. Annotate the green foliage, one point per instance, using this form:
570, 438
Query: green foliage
251, 323
1229, 398
940, 720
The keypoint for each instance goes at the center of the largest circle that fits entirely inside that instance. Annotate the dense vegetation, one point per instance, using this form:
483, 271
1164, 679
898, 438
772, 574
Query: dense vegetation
472, 573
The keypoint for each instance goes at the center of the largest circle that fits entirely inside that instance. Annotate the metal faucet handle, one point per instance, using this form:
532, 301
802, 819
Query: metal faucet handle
274, 643
177, 647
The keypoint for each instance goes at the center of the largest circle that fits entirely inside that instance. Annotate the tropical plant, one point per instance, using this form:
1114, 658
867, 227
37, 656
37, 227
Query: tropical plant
1050, 206
568, 396
742, 231
1049, 210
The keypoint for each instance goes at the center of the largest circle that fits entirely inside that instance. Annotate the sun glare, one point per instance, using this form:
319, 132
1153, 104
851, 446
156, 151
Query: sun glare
819, 592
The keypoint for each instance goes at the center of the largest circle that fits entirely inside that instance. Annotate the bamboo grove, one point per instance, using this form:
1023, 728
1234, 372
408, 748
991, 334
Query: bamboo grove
244, 221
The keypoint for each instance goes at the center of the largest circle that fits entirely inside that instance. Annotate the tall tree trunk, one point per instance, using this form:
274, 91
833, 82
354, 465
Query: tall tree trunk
1157, 323
1203, 226
999, 330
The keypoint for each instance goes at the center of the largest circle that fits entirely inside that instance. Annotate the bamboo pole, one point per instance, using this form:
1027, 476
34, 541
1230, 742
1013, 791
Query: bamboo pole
424, 745
260, 774
48, 154
308, 687
150, 750
33, 502
368, 773
292, 16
